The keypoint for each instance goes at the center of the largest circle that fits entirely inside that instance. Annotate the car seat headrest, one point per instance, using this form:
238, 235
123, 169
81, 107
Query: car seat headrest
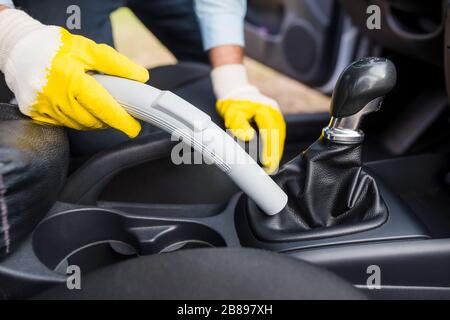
33, 166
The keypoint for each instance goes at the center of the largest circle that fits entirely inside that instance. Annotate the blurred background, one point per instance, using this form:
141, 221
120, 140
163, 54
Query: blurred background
135, 41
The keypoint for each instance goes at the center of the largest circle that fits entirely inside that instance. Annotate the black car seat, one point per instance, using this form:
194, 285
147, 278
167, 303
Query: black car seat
218, 274
33, 167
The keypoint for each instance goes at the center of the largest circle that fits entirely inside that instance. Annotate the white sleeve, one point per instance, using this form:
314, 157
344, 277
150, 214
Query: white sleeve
7, 3
221, 22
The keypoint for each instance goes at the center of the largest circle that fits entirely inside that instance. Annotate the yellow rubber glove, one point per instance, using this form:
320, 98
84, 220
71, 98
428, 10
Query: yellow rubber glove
47, 69
240, 104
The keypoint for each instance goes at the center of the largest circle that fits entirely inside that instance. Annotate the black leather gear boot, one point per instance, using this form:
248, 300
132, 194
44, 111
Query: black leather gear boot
329, 194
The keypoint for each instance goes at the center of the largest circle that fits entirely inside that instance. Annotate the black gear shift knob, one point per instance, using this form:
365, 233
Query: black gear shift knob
360, 83
359, 90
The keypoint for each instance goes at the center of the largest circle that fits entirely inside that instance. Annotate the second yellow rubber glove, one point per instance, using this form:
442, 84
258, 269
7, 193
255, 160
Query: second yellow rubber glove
47, 69
240, 104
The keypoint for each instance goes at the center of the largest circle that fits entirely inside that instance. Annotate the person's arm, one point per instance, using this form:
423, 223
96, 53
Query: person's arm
239, 102
222, 28
226, 54
221, 22
5, 4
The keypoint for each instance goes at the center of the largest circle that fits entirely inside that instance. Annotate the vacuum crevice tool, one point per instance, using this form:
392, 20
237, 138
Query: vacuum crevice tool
184, 121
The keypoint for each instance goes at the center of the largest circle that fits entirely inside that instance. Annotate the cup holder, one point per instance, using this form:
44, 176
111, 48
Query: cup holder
97, 237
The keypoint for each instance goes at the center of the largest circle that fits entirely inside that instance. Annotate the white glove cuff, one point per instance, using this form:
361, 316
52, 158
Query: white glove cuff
228, 79
14, 25
231, 82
